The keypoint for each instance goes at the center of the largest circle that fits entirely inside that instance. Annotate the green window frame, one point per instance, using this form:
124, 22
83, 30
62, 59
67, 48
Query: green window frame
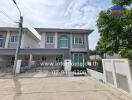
63, 42
78, 58
1, 40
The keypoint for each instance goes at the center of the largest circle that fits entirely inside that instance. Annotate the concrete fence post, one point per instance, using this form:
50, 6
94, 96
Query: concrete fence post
67, 65
18, 66
114, 73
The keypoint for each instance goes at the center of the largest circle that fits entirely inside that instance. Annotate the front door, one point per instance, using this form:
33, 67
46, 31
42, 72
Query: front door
78, 58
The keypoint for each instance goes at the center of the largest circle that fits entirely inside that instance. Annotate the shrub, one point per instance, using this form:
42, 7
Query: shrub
78, 68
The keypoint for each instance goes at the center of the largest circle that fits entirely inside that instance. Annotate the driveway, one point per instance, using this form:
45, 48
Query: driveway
57, 88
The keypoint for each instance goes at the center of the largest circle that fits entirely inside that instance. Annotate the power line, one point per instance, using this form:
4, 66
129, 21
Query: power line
2, 12
4, 22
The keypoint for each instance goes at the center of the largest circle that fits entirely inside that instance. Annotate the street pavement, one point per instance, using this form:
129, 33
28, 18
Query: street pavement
57, 88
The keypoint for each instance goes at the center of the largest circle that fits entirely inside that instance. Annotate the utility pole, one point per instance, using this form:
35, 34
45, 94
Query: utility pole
19, 38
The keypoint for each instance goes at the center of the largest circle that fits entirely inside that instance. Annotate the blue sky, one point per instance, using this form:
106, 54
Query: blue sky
80, 14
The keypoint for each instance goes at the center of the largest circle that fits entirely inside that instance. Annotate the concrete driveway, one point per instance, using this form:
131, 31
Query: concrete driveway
57, 88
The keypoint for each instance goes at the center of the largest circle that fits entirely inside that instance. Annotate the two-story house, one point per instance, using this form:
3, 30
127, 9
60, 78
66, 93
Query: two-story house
60, 44
55, 45
9, 40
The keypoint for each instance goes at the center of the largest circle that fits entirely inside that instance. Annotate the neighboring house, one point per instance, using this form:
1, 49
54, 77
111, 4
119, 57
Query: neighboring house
9, 39
55, 45
105, 56
93, 57
115, 56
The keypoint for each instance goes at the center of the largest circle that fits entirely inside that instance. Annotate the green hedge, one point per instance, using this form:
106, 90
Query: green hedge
78, 68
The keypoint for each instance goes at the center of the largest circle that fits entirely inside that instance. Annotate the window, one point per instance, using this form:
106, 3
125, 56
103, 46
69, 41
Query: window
78, 39
63, 42
1, 40
78, 58
43, 58
50, 39
13, 38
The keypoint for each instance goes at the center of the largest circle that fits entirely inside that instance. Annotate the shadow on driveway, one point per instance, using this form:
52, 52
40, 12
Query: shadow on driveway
18, 91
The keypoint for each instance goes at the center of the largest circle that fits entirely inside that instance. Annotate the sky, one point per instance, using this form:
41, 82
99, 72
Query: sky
72, 14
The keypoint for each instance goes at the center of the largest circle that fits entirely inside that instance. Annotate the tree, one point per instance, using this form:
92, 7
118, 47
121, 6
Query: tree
122, 2
92, 52
116, 32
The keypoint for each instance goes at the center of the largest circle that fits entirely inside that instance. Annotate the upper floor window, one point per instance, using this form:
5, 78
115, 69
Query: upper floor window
50, 39
63, 42
13, 38
1, 40
78, 39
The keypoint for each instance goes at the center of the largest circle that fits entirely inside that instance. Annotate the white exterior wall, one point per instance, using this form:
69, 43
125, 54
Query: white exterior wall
42, 42
7, 39
121, 67
96, 75
29, 42
56, 40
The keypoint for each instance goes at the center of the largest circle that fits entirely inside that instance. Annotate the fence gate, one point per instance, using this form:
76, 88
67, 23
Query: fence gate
37, 66
51, 69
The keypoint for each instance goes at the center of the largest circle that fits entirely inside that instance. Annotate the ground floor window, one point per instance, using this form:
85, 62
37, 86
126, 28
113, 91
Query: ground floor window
78, 58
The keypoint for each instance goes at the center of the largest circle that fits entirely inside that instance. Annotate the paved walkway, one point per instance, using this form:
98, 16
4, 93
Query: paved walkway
57, 88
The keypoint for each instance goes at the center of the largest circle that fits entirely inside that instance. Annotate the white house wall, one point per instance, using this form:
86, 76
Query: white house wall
7, 39
42, 42
121, 71
29, 41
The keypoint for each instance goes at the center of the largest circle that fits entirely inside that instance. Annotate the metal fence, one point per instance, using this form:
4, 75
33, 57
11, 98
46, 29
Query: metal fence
6, 66
95, 65
36, 66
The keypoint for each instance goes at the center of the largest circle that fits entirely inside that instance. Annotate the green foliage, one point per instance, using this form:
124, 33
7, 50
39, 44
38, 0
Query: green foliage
115, 33
125, 53
92, 52
95, 52
122, 2
78, 68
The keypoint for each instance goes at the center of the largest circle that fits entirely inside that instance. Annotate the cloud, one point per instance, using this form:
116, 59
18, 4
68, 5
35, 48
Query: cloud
56, 13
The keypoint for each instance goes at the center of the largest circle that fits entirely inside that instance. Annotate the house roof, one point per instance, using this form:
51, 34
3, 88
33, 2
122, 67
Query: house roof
31, 32
41, 30
37, 31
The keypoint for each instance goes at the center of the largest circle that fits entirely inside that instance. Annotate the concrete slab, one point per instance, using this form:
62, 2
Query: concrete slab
57, 88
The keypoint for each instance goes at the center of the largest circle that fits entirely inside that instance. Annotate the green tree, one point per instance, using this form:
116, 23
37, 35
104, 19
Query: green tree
122, 2
115, 32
